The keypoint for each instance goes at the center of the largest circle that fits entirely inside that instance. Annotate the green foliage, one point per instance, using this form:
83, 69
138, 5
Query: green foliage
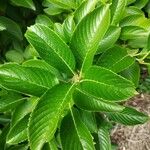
65, 67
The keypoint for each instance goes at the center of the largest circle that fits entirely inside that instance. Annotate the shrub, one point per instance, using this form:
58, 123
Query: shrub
63, 84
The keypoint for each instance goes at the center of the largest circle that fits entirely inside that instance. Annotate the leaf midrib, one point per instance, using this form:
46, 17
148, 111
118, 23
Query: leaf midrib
54, 50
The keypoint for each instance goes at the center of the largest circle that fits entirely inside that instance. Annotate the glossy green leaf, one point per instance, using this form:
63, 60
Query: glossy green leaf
58, 28
130, 2
50, 45
18, 133
24, 3
74, 130
67, 4
132, 73
52, 145
133, 32
116, 59
51, 9
23, 109
107, 85
11, 27
9, 100
45, 20
86, 7
109, 39
148, 43
117, 10
68, 28
33, 81
104, 138
89, 120
88, 33
47, 113
141, 3
132, 10
87, 102
128, 116
38, 63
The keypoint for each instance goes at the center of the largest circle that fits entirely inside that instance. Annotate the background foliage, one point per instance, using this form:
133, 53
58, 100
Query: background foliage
66, 67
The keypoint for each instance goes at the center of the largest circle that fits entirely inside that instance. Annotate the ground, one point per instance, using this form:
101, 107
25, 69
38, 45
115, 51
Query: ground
134, 137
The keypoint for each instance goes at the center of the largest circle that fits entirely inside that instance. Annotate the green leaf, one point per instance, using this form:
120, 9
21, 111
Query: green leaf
88, 33
85, 8
45, 20
52, 9
68, 27
43, 122
117, 11
9, 100
89, 120
34, 81
24, 3
41, 64
87, 102
132, 10
141, 3
52, 145
23, 109
133, 32
73, 130
104, 138
130, 2
116, 59
148, 43
18, 147
18, 133
50, 45
107, 85
132, 73
30, 53
12, 27
66, 4
109, 39
3, 136
14, 56
128, 116
58, 28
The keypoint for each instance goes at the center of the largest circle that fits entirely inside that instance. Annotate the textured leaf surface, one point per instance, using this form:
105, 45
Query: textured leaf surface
24, 3
80, 137
88, 33
133, 32
86, 102
68, 27
89, 120
51, 48
116, 59
132, 73
47, 113
45, 20
23, 109
85, 8
109, 39
104, 138
117, 10
106, 85
11, 27
129, 116
18, 133
9, 100
32, 81
37, 63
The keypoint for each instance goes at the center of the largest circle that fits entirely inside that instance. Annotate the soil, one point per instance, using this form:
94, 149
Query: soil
134, 137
